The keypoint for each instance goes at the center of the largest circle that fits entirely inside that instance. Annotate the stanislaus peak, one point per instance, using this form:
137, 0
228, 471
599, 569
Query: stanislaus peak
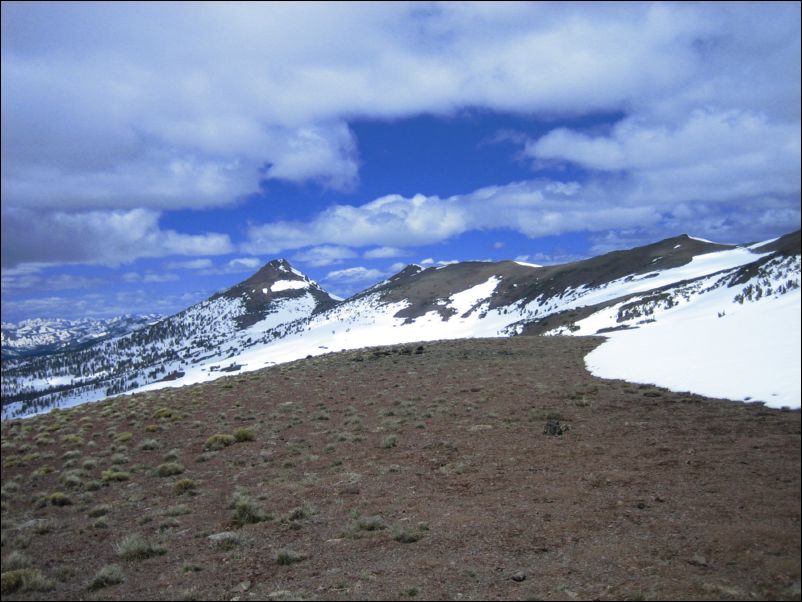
205, 334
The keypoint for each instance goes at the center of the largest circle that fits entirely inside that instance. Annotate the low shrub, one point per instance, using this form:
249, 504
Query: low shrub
137, 547
216, 442
169, 469
285, 557
111, 574
114, 475
242, 435
183, 486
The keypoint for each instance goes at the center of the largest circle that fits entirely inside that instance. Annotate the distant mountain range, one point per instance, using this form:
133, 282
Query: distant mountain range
40, 336
280, 315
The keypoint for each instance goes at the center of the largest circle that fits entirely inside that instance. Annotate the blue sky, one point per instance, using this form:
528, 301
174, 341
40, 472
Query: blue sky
155, 153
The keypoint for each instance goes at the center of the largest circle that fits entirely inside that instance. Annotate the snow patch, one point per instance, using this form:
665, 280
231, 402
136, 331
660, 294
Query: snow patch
286, 285
464, 301
529, 265
753, 353
702, 240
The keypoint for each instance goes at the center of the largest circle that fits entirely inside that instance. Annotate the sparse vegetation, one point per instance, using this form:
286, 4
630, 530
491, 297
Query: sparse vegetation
371, 523
169, 469
406, 535
137, 547
114, 475
226, 540
242, 435
287, 556
26, 580
338, 494
246, 511
59, 499
218, 442
111, 574
183, 486
177, 510
99, 510
119, 458
16, 560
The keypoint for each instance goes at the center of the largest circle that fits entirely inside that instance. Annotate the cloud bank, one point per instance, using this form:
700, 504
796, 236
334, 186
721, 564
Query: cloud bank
113, 113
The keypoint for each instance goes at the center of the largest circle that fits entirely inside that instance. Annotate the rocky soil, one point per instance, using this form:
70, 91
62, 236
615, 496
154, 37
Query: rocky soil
474, 469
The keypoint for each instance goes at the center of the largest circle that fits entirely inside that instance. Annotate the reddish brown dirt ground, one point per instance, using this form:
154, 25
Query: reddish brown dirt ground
648, 495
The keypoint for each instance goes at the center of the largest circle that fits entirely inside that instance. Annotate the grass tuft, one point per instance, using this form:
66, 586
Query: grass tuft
137, 547
111, 574
114, 475
242, 435
286, 556
15, 561
59, 499
99, 510
183, 486
169, 469
246, 511
30, 580
216, 442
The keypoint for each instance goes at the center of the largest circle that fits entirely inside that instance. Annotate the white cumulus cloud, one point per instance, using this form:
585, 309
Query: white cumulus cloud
100, 237
324, 255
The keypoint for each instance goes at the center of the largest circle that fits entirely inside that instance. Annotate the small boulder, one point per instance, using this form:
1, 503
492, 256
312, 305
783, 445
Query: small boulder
554, 428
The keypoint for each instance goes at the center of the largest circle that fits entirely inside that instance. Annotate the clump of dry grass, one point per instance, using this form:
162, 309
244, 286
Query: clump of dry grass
287, 556
183, 486
26, 580
111, 574
242, 435
216, 442
99, 510
246, 511
114, 475
137, 547
169, 469
59, 499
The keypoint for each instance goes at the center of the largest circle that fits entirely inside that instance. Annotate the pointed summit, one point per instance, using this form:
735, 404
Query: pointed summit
275, 282
275, 276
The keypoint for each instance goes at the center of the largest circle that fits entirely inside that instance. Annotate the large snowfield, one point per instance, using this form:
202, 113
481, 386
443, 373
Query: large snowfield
752, 352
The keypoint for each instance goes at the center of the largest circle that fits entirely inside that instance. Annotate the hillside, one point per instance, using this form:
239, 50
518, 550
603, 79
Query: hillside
665, 296
39, 336
409, 472
212, 331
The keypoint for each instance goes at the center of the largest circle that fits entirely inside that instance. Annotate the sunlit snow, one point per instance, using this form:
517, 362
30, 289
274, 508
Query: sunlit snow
285, 285
750, 353
692, 335
529, 265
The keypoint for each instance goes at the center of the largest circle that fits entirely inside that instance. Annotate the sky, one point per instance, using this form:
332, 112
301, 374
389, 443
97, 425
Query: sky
154, 153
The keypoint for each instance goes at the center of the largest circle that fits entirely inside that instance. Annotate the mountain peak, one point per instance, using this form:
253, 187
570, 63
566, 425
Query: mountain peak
276, 281
270, 277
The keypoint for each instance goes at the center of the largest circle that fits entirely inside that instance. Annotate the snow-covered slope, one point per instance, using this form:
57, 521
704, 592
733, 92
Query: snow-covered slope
501, 299
716, 335
41, 336
211, 332
660, 290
